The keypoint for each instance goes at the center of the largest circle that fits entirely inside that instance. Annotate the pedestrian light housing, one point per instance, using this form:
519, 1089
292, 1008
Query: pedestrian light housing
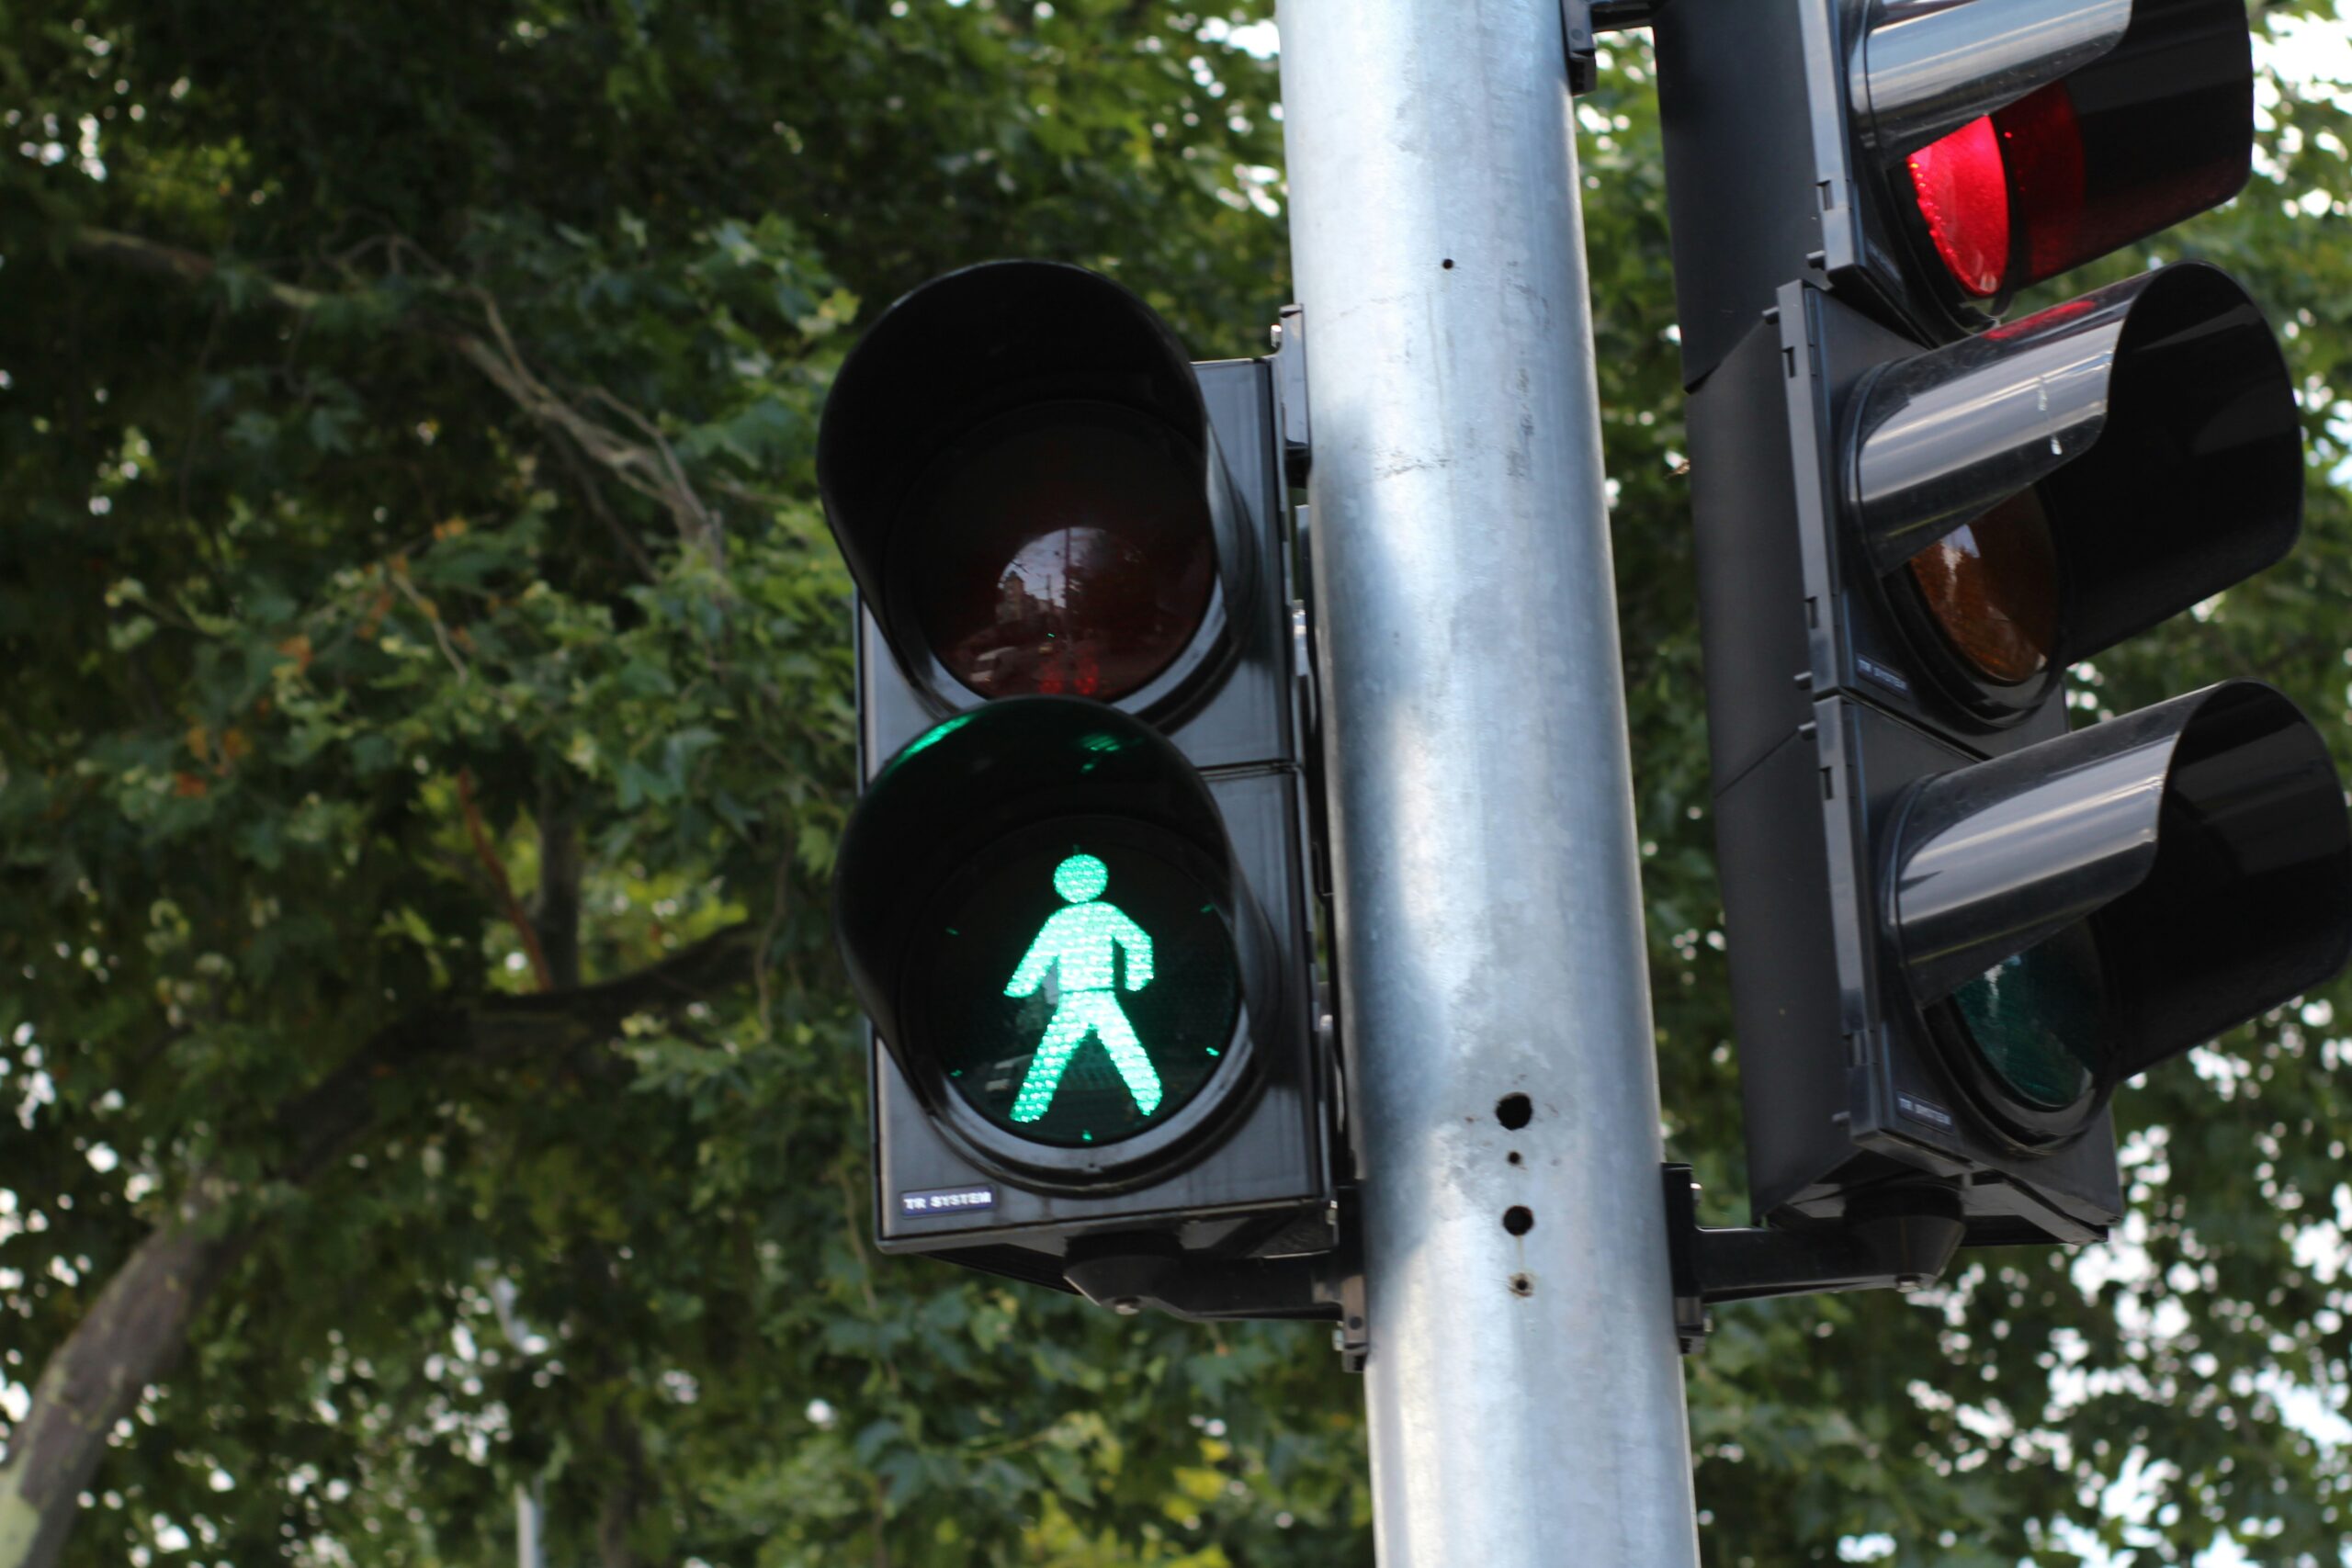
1074, 900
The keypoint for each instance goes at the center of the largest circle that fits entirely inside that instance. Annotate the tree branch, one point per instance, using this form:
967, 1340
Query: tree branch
650, 469
502, 1029
189, 267
593, 499
131, 1338
486, 853
617, 1514
124, 1344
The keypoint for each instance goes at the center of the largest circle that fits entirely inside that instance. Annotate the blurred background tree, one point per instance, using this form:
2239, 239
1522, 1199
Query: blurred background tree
422, 1066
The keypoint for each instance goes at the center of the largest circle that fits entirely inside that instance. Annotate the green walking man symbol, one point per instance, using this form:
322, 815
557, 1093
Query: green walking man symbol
1082, 940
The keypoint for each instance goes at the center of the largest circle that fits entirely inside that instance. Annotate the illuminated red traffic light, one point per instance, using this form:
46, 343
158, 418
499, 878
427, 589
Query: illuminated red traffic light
1963, 196
2154, 130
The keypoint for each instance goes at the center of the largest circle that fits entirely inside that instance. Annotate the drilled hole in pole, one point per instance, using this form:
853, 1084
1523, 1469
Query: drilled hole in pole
1519, 1219
1514, 1111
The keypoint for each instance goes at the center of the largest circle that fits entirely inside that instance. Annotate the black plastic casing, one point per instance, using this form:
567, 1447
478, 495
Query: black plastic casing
1821, 714
1775, 171
1261, 1183
1765, 78
1896, 824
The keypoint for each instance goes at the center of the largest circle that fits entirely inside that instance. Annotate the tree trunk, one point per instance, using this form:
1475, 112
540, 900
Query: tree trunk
617, 1516
129, 1340
135, 1332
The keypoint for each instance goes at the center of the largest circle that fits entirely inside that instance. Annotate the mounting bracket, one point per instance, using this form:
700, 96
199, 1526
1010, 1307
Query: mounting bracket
1581, 20
1129, 1273
1288, 362
1897, 1237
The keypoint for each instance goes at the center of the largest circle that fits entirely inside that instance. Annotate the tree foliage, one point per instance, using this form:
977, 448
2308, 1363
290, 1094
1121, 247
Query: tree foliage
424, 1071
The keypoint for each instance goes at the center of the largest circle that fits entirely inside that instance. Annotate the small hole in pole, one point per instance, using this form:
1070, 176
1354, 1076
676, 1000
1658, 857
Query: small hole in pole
1514, 1111
1447, 263
1520, 1285
1512, 1156
1519, 1219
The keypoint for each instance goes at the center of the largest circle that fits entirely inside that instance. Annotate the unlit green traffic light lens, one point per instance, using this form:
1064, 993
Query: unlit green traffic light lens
1081, 993
2039, 1021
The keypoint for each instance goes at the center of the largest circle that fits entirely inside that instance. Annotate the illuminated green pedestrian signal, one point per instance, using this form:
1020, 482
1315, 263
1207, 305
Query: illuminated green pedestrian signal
1080, 996
1082, 944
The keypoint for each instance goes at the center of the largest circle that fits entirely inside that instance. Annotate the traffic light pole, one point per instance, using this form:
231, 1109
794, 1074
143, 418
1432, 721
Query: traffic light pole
1525, 1395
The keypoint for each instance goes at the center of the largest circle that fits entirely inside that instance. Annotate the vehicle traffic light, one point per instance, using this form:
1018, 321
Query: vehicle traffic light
1957, 926
1927, 159
1074, 899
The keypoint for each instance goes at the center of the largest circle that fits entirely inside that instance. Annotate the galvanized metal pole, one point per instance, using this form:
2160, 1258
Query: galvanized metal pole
530, 1527
530, 1501
1524, 1388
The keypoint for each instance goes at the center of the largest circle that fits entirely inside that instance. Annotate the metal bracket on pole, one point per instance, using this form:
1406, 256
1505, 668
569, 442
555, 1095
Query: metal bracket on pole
1289, 362
1129, 1273
1901, 1240
1583, 20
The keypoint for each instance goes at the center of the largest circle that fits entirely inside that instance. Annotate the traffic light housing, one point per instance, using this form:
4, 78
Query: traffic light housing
1927, 159
1957, 926
1074, 900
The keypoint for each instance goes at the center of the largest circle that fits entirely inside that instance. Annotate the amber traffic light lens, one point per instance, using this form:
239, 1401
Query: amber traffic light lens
1065, 549
1991, 588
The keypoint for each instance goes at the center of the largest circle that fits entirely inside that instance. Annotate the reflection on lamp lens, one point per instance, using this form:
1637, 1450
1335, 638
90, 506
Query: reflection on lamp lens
1067, 549
1992, 588
2039, 1020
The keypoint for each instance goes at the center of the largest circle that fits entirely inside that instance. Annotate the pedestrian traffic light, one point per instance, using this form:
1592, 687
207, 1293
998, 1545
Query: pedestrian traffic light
1957, 926
1075, 897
